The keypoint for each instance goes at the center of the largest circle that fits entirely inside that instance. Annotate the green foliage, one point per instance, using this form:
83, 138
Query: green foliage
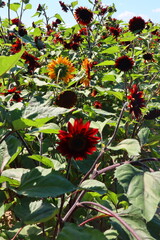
79, 129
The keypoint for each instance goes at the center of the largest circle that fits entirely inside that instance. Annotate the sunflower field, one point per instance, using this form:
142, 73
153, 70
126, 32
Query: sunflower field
79, 125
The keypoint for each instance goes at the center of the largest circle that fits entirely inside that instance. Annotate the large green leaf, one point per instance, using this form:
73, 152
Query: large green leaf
8, 150
130, 145
111, 50
132, 216
71, 232
94, 185
14, 6
31, 212
41, 182
46, 161
7, 62
142, 188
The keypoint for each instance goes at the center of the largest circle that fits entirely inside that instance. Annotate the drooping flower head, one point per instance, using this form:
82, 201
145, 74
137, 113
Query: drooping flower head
61, 68
66, 99
124, 63
63, 6
83, 15
136, 24
136, 102
78, 141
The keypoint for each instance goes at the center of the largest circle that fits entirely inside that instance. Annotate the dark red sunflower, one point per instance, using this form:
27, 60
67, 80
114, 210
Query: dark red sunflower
31, 61
83, 15
136, 24
16, 21
97, 104
115, 32
66, 99
16, 94
63, 6
16, 47
148, 57
78, 141
136, 102
124, 63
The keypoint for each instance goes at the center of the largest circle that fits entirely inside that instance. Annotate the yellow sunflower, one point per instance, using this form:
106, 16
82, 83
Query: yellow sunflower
61, 68
86, 66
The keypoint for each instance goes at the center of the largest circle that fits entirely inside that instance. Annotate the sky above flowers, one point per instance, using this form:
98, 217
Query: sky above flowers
126, 9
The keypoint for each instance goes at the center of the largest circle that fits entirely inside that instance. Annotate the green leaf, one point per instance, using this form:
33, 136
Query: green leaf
8, 148
24, 123
130, 145
132, 216
118, 95
73, 4
31, 212
14, 173
108, 77
11, 181
28, 6
71, 232
7, 62
111, 50
106, 63
143, 135
46, 161
41, 182
94, 185
111, 234
59, 17
14, 6
128, 36
142, 188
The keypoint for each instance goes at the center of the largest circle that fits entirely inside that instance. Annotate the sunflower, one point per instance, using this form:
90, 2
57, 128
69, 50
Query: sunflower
83, 15
136, 102
61, 68
124, 63
78, 141
136, 24
66, 99
86, 66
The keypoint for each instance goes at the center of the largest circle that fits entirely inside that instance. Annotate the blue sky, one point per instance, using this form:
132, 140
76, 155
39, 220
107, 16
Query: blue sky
126, 9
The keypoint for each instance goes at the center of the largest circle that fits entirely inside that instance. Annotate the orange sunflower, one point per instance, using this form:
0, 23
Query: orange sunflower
86, 66
61, 68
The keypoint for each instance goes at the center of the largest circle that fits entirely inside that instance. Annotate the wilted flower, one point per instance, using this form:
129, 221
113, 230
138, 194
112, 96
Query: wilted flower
124, 63
136, 102
22, 31
63, 6
66, 99
78, 141
136, 24
83, 15
61, 68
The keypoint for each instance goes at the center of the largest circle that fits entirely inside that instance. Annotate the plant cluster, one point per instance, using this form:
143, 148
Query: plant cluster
79, 125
